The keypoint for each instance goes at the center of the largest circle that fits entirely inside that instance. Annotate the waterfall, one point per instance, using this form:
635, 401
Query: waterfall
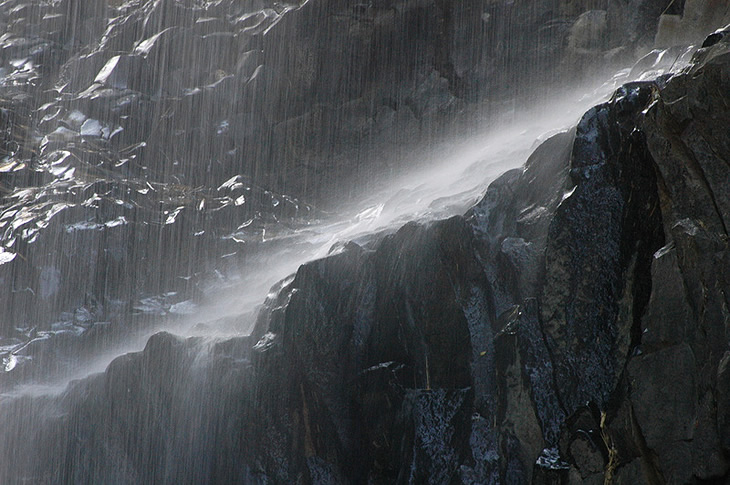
258, 242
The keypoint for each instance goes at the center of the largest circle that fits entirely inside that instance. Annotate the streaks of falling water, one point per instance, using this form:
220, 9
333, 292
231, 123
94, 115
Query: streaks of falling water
452, 178
94, 144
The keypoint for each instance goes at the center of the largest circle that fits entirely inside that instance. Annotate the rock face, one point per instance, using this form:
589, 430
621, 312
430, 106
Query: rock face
142, 142
148, 147
118, 179
571, 328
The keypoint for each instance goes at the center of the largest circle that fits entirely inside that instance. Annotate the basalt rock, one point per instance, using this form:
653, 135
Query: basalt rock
572, 327
152, 105
599, 348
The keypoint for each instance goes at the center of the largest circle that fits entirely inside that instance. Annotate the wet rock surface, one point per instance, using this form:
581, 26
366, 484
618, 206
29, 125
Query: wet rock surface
572, 327
116, 117
119, 197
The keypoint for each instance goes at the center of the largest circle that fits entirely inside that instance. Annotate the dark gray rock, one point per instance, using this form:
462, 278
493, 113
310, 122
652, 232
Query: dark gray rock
669, 320
723, 415
708, 460
361, 344
665, 407
435, 419
571, 327
600, 241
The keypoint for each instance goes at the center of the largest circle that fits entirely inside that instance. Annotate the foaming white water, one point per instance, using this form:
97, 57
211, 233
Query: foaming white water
449, 179
453, 177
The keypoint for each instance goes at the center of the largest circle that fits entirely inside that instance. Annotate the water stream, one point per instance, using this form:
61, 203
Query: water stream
451, 177
263, 236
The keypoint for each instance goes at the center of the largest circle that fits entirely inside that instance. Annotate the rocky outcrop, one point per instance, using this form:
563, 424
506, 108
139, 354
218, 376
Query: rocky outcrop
570, 328
684, 327
581, 317
118, 194
150, 147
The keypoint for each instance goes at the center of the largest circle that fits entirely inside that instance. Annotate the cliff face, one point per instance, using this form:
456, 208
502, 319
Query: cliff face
149, 149
571, 328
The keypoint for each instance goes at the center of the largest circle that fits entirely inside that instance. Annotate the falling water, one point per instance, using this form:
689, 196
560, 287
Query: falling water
135, 151
453, 177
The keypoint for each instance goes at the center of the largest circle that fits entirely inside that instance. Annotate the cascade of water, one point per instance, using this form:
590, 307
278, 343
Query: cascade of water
451, 177
81, 153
